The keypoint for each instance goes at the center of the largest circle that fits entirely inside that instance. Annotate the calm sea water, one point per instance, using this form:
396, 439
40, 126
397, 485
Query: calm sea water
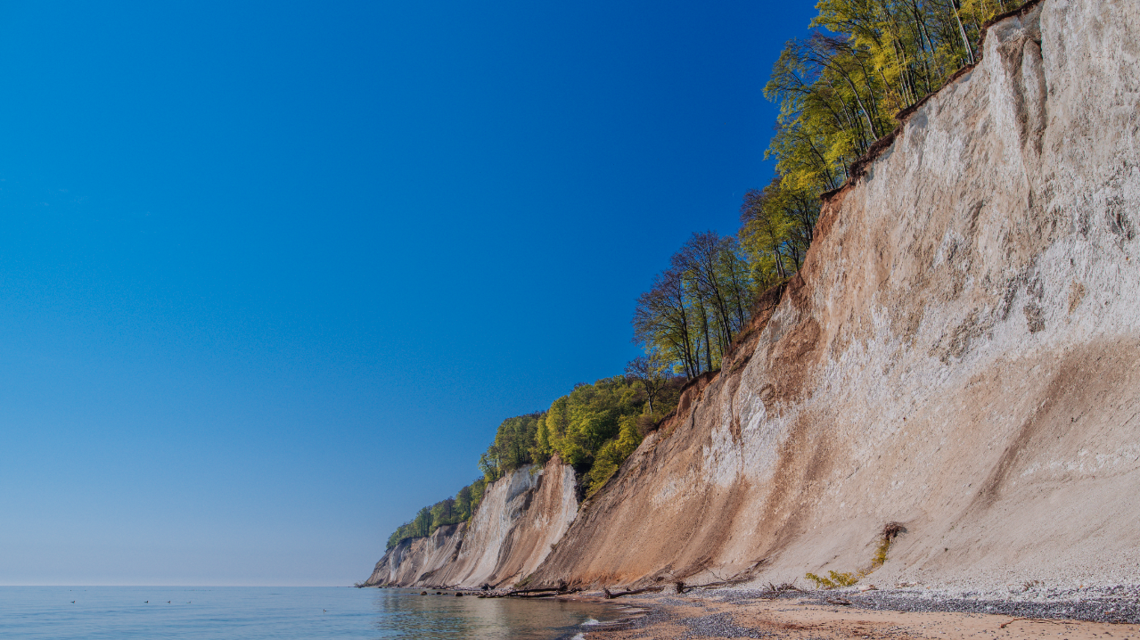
292, 613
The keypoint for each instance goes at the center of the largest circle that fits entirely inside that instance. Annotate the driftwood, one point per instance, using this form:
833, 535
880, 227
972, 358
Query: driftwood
631, 592
682, 587
739, 578
774, 590
537, 592
541, 594
1006, 624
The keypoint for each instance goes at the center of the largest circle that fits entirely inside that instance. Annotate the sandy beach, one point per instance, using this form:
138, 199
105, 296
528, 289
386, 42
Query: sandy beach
896, 614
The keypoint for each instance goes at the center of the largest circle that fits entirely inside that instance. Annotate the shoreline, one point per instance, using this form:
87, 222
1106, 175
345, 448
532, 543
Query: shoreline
903, 612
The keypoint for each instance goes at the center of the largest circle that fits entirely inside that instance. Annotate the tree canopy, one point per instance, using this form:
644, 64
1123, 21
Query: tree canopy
696, 306
445, 512
593, 428
840, 88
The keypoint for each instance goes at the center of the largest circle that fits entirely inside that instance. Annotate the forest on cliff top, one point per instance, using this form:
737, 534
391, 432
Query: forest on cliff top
839, 90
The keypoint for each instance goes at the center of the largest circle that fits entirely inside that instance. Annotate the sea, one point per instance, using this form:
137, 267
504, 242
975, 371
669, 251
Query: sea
284, 613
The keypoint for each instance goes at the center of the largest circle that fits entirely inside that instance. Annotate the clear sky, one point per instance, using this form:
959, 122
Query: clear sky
272, 273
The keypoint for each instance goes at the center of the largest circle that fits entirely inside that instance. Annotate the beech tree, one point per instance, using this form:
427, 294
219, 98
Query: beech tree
445, 512
697, 306
839, 88
652, 372
777, 226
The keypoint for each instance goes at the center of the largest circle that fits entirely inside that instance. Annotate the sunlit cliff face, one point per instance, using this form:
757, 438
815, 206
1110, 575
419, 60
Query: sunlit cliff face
520, 519
960, 354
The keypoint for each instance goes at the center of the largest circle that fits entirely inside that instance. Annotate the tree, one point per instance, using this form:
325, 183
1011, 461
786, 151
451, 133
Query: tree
838, 90
463, 507
421, 525
478, 488
697, 306
661, 321
489, 465
652, 372
443, 513
777, 226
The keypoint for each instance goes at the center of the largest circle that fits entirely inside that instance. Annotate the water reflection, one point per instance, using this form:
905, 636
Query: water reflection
406, 614
280, 613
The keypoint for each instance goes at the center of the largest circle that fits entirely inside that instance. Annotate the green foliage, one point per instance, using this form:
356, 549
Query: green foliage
652, 371
881, 553
595, 428
834, 580
777, 226
445, 512
463, 502
613, 453
477, 489
696, 307
839, 89
514, 447
579, 425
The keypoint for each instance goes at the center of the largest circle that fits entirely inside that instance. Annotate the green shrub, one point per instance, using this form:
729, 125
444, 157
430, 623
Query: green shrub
834, 580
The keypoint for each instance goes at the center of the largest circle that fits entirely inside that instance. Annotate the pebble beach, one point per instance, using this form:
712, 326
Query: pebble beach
916, 611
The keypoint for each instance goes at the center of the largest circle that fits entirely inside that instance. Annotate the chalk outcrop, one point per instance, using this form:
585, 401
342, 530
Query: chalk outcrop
959, 354
521, 517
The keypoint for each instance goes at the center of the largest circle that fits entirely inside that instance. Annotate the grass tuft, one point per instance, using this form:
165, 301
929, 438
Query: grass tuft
835, 580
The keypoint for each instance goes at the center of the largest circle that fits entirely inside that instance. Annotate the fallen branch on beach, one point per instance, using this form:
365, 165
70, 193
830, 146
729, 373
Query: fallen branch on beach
1006, 624
520, 592
774, 590
536, 592
631, 592
682, 587
545, 594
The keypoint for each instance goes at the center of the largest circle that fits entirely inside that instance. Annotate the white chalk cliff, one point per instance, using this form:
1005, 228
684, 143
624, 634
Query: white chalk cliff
960, 354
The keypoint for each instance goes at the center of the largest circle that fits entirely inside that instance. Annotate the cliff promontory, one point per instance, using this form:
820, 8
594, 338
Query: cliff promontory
959, 354
522, 516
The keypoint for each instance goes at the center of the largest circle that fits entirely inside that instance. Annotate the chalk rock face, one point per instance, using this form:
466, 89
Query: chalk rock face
412, 562
522, 515
959, 354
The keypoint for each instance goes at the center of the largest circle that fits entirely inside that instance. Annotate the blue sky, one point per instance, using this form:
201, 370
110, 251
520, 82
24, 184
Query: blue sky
271, 274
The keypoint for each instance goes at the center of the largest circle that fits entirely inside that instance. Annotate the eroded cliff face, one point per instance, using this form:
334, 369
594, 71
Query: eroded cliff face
412, 562
522, 515
960, 353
